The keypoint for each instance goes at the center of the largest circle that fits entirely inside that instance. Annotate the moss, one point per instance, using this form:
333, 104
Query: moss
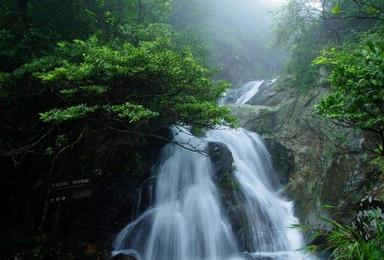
229, 182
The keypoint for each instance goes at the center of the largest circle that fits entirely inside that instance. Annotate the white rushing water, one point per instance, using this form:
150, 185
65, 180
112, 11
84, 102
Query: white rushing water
243, 94
270, 216
187, 220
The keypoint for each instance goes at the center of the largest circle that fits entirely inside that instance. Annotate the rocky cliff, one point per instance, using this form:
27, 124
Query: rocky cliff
324, 169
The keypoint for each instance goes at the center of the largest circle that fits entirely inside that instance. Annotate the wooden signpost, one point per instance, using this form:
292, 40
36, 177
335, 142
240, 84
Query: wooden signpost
71, 189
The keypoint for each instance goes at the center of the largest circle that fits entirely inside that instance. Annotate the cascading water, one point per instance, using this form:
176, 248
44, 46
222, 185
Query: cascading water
270, 217
187, 220
242, 95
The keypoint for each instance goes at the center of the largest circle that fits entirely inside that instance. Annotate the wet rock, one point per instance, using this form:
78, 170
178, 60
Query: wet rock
248, 256
260, 119
231, 196
283, 159
123, 257
343, 183
315, 163
270, 96
222, 160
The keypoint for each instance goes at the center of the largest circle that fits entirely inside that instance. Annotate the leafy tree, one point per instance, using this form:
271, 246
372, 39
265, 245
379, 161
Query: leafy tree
72, 70
353, 9
116, 85
305, 27
300, 31
357, 94
30, 27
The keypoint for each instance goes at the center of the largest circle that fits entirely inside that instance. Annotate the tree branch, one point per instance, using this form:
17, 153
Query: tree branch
185, 145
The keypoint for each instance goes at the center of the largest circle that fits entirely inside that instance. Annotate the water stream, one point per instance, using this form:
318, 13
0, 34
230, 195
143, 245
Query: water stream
187, 220
243, 94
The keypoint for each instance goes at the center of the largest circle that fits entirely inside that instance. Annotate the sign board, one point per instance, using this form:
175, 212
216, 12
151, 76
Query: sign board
71, 189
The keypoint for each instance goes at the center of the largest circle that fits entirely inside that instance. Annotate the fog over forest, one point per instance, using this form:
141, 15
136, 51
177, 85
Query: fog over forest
238, 35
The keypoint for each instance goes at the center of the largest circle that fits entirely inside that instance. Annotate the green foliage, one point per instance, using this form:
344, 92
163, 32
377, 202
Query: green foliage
354, 242
364, 10
301, 74
336, 9
134, 113
115, 82
70, 113
28, 28
147, 32
357, 75
166, 82
300, 32
61, 141
228, 182
379, 160
84, 90
305, 28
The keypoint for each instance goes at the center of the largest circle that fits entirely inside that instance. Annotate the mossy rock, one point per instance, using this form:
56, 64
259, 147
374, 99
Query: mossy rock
232, 198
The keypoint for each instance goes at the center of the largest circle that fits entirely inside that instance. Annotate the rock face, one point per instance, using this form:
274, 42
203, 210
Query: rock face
123, 257
317, 166
283, 159
232, 198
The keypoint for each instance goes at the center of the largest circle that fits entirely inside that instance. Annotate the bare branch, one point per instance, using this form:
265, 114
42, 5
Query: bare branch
185, 145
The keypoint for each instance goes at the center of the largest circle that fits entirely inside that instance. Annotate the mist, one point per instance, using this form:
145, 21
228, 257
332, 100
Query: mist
236, 34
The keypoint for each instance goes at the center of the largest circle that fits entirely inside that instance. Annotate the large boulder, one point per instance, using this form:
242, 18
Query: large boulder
232, 198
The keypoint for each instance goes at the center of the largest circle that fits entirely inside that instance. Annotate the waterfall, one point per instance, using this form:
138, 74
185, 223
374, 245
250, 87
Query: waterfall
243, 94
187, 220
269, 215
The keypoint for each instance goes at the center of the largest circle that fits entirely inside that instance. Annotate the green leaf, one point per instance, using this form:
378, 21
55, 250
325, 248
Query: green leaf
133, 113
336, 9
70, 113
